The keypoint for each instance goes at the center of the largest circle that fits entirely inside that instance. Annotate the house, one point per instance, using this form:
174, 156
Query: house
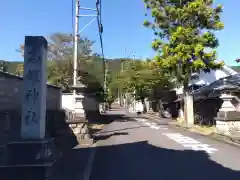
208, 78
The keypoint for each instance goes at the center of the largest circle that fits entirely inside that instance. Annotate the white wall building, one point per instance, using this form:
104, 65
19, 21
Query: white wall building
208, 78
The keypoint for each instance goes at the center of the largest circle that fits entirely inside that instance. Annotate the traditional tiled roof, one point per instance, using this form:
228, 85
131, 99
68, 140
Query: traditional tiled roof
10, 75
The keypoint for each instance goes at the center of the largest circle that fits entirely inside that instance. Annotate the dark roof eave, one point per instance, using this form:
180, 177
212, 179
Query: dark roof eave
21, 78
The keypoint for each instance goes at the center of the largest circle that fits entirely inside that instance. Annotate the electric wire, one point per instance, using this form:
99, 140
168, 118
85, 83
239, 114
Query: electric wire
100, 32
100, 26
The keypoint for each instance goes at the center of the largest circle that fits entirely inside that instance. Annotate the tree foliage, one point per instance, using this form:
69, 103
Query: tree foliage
185, 41
4, 65
60, 63
19, 69
141, 77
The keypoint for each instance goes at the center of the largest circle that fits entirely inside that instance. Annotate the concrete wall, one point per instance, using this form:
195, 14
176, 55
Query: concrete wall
88, 103
67, 101
11, 93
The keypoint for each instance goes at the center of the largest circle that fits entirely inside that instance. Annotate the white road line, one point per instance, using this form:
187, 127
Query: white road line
151, 125
190, 143
159, 126
88, 169
141, 120
147, 124
154, 127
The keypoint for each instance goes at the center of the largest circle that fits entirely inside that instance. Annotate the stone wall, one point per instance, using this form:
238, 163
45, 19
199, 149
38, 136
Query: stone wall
229, 128
80, 130
11, 93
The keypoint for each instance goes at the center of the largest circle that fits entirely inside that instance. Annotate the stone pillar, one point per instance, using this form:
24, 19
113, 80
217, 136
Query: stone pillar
78, 106
33, 155
34, 88
228, 118
227, 104
78, 98
188, 110
180, 113
180, 108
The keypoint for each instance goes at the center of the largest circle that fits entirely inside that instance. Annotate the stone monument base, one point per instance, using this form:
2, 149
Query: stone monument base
3, 154
37, 172
229, 128
228, 123
30, 160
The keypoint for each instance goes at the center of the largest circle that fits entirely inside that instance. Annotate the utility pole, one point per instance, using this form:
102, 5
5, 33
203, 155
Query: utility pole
75, 49
133, 55
134, 92
105, 82
76, 36
121, 91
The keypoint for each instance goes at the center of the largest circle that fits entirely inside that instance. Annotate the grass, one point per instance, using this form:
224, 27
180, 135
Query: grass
206, 130
209, 131
180, 120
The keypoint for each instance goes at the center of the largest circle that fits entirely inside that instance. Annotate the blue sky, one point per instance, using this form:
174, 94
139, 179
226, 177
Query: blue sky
122, 21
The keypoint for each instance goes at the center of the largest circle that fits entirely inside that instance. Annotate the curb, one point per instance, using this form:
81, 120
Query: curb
213, 136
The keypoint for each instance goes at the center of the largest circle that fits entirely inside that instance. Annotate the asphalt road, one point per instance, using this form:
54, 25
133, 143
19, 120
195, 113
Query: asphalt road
142, 149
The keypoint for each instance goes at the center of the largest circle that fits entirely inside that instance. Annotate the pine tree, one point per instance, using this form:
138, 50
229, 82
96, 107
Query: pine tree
185, 41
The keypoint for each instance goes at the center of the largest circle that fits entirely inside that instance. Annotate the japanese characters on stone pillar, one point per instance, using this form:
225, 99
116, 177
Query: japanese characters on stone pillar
34, 88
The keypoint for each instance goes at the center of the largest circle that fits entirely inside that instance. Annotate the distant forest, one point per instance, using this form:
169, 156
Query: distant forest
114, 65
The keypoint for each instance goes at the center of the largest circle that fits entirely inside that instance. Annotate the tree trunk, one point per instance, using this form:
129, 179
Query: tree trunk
188, 105
144, 105
160, 108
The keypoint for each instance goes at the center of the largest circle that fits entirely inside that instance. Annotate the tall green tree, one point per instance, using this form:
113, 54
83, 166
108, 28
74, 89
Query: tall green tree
140, 77
60, 62
185, 41
4, 65
60, 45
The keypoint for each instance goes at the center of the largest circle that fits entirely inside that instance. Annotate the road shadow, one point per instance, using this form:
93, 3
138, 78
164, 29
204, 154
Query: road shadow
72, 165
58, 128
106, 119
143, 161
122, 129
109, 118
99, 137
117, 118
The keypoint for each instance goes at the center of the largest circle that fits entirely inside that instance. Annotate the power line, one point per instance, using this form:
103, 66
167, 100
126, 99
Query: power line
100, 26
100, 32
